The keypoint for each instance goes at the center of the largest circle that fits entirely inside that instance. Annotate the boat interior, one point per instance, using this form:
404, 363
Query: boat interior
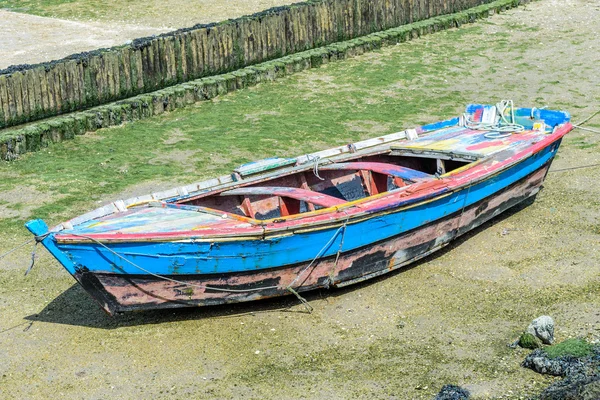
334, 182
327, 185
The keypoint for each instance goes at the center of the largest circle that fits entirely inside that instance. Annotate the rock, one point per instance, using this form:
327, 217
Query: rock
543, 328
582, 388
529, 341
591, 390
452, 392
539, 361
582, 374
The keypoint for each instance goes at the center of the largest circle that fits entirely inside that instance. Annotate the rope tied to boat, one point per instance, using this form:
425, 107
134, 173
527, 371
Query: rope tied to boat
342, 228
315, 160
16, 248
502, 127
579, 125
305, 303
37, 239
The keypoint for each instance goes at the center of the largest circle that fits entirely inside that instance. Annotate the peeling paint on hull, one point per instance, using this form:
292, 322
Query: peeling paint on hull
119, 293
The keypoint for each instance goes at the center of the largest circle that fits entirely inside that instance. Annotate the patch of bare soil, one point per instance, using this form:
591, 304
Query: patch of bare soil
29, 39
183, 158
176, 136
139, 189
19, 202
371, 127
257, 116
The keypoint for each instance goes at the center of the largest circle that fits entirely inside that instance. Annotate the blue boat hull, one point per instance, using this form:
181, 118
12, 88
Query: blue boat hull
118, 292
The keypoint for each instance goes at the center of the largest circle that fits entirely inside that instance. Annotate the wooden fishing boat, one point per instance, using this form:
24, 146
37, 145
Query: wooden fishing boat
327, 219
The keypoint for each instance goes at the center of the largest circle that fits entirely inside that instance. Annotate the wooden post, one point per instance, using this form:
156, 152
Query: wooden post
4, 117
15, 80
30, 78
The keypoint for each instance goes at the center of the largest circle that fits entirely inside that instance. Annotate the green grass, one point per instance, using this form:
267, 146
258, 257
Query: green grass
529, 341
582, 143
570, 347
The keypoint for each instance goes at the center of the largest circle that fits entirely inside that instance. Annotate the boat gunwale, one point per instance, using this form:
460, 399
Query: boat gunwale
460, 179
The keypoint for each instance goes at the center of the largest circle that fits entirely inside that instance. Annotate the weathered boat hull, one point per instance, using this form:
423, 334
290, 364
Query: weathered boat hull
276, 227
120, 292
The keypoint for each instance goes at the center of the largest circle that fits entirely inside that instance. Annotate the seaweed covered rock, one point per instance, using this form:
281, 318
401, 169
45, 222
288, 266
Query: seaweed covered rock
542, 328
576, 388
577, 361
529, 341
571, 347
540, 362
452, 392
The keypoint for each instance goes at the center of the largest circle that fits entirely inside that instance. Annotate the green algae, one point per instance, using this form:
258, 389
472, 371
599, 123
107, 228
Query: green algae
529, 341
576, 347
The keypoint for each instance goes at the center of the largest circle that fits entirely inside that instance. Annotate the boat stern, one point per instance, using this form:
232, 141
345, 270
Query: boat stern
534, 118
38, 227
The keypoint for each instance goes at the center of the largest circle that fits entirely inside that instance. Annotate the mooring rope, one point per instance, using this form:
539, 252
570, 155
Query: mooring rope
586, 129
579, 125
337, 257
170, 279
462, 211
16, 248
587, 119
343, 227
503, 128
32, 258
37, 239
577, 167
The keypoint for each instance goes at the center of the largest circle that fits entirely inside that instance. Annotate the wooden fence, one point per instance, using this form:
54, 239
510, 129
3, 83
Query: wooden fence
81, 81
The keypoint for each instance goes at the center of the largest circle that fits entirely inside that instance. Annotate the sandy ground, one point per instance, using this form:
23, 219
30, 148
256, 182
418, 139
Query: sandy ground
28, 39
446, 320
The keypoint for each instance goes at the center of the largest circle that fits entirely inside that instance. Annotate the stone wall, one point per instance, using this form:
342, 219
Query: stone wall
81, 81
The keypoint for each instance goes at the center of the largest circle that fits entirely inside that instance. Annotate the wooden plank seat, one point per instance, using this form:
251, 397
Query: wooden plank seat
308, 196
425, 152
395, 171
